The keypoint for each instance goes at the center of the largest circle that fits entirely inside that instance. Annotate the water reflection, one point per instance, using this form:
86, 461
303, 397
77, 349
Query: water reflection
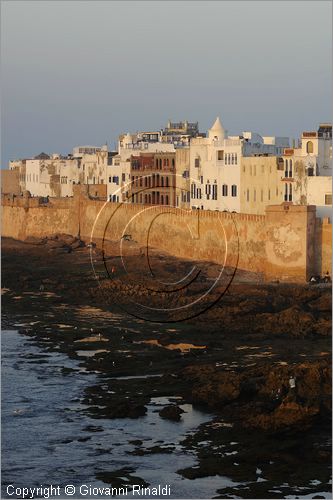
48, 439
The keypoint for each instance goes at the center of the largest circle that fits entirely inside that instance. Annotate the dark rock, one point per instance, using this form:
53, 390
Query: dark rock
93, 428
322, 304
171, 412
136, 442
120, 478
35, 241
261, 397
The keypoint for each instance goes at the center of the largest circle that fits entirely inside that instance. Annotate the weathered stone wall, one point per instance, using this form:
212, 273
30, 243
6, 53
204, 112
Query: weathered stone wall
323, 245
285, 244
10, 182
23, 217
213, 236
290, 241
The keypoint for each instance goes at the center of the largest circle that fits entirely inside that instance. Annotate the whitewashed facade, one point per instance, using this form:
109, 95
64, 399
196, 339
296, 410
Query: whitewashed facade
215, 163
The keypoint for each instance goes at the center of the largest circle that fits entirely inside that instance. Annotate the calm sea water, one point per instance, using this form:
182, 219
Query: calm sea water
44, 429
47, 437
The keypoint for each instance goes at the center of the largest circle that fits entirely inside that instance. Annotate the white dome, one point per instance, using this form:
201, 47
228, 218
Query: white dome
217, 130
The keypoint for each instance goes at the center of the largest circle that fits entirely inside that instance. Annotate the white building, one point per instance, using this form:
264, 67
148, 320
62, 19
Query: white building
215, 163
308, 170
316, 150
53, 176
214, 170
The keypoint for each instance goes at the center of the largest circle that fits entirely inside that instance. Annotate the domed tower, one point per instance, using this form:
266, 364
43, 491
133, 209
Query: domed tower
217, 131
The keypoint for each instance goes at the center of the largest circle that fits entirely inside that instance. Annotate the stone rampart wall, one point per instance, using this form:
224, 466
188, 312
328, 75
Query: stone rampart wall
288, 243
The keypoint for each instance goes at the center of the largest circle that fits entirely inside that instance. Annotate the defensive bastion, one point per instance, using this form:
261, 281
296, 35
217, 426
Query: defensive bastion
288, 243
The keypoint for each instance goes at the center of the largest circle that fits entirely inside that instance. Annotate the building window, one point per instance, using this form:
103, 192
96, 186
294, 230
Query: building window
309, 147
224, 190
233, 190
235, 158
110, 179
286, 192
207, 190
269, 194
247, 195
328, 199
262, 195
254, 195
214, 192
197, 162
167, 184
286, 168
220, 155
290, 192
290, 168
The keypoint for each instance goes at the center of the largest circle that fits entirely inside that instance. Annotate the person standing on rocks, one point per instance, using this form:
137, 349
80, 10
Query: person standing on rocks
291, 396
292, 382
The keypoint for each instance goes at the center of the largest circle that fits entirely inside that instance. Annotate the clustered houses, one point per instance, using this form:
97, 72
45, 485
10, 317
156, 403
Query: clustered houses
55, 175
181, 167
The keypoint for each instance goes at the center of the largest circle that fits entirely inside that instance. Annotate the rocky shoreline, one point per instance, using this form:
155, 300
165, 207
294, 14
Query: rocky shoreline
258, 361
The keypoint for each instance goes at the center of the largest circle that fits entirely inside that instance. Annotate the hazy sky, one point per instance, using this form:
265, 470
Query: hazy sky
76, 73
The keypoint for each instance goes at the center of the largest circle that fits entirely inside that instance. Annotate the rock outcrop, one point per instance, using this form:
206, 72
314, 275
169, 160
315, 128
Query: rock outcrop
268, 397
